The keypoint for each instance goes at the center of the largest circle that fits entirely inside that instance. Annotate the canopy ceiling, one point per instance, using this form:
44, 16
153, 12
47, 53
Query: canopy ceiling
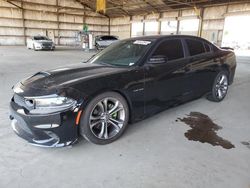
117, 8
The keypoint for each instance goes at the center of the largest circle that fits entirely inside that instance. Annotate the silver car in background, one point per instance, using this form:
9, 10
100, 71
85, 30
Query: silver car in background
40, 43
103, 41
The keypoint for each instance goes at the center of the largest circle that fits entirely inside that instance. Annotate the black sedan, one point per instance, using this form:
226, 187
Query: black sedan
128, 81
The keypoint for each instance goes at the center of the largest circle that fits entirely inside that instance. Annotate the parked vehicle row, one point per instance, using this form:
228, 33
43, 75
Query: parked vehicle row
44, 43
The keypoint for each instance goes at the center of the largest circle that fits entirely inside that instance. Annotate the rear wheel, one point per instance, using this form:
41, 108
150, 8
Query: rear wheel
220, 87
105, 118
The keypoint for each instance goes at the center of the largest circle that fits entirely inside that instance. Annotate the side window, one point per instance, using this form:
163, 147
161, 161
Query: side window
207, 47
195, 47
172, 49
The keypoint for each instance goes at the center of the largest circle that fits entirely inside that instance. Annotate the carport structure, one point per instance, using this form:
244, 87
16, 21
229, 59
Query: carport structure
152, 153
62, 19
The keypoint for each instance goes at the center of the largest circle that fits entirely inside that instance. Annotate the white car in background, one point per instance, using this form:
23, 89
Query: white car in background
103, 41
40, 43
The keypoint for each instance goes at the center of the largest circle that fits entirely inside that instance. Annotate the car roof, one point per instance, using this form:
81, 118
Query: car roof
40, 36
156, 37
106, 36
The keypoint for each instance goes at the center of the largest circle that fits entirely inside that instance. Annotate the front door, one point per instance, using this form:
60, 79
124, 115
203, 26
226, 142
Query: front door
165, 83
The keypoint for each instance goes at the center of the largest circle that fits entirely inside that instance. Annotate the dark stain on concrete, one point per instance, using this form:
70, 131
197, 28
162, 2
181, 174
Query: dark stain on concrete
203, 129
247, 144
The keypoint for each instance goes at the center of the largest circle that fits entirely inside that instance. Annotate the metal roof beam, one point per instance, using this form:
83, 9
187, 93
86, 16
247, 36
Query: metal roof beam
121, 8
10, 2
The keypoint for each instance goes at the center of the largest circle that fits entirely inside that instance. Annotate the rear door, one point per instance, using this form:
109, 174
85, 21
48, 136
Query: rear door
165, 83
199, 69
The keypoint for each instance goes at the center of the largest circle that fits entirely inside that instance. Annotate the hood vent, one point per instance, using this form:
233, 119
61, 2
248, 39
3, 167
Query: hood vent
35, 77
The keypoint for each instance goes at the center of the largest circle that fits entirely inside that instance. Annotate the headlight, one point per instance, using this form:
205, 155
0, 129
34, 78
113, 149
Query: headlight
17, 88
50, 104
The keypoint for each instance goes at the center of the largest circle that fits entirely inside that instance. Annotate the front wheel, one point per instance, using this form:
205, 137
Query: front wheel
98, 47
220, 87
105, 118
34, 48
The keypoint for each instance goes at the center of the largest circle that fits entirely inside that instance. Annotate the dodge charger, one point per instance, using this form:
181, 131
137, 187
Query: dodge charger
130, 80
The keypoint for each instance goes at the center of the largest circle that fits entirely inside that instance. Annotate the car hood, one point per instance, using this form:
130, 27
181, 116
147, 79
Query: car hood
68, 76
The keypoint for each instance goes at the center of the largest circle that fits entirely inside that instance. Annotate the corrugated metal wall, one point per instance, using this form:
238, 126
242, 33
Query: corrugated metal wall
58, 19
62, 19
211, 21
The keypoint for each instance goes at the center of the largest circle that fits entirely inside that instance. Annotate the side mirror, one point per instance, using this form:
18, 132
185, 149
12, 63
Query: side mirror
157, 59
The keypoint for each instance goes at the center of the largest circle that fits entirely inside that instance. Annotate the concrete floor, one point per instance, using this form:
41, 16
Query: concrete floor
152, 153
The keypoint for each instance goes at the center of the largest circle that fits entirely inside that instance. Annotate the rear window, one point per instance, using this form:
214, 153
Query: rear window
207, 47
195, 47
108, 38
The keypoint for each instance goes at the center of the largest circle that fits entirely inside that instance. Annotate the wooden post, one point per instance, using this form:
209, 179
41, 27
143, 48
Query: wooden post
178, 22
109, 26
143, 27
58, 27
159, 23
201, 22
130, 25
24, 28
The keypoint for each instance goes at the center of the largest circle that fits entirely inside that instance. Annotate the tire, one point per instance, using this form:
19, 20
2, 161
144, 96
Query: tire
220, 87
102, 124
98, 47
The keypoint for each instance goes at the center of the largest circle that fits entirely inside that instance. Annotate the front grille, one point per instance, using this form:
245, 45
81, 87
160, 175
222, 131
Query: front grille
47, 45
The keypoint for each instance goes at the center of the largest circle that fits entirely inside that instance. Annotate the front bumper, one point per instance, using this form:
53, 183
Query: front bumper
45, 47
29, 127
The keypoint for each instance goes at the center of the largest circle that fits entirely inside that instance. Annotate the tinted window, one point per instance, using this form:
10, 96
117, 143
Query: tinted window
172, 49
108, 38
122, 53
195, 47
207, 47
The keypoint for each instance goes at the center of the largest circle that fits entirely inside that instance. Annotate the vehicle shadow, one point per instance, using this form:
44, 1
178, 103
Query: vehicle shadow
171, 114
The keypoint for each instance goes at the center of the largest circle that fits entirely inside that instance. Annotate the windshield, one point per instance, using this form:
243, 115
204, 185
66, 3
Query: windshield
122, 53
40, 38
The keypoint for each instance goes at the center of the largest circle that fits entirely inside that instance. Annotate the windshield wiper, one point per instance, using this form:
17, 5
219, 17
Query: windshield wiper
102, 63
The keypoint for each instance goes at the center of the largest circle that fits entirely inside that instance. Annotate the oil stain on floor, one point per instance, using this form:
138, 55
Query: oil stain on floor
204, 130
247, 144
